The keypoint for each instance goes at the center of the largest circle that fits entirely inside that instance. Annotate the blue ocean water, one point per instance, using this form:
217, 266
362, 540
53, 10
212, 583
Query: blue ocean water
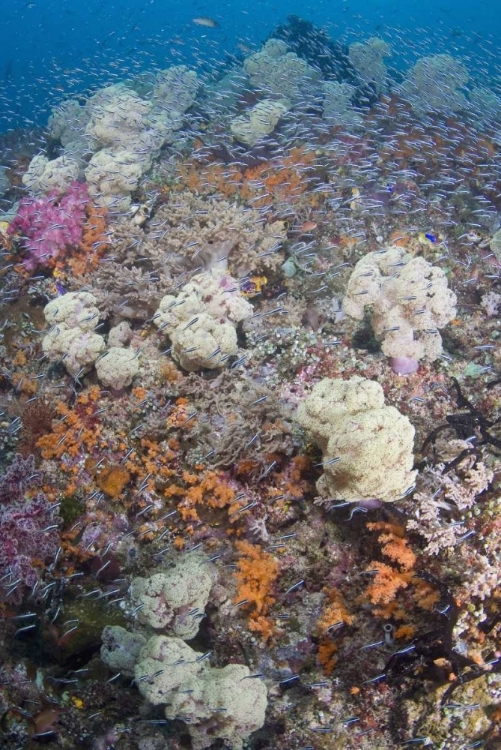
53, 48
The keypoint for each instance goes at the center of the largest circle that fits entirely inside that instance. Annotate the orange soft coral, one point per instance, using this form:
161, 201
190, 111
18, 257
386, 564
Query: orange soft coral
257, 571
333, 616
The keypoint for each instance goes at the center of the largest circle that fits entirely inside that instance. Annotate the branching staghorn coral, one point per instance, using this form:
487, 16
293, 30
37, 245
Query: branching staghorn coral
214, 233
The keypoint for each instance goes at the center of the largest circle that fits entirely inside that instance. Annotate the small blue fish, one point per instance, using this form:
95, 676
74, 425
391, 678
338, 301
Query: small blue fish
60, 288
430, 237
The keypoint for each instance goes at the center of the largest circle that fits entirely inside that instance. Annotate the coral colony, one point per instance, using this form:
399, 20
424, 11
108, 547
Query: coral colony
251, 408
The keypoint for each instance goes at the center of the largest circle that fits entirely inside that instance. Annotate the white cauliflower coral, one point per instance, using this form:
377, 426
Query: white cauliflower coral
408, 299
201, 320
118, 367
73, 318
214, 703
174, 600
367, 446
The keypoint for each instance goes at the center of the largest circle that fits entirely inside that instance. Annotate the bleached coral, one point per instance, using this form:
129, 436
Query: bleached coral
367, 447
367, 59
408, 299
434, 84
174, 600
214, 703
280, 72
259, 121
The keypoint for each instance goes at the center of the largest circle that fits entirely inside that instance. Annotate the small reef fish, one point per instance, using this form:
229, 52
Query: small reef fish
205, 21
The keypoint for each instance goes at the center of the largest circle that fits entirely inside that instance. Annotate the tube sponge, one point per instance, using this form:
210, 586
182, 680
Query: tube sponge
367, 446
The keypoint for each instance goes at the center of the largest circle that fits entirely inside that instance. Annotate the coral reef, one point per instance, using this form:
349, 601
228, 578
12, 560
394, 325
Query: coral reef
214, 445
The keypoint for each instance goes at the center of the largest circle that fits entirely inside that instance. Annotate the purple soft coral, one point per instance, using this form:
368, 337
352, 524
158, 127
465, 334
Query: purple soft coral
28, 529
50, 224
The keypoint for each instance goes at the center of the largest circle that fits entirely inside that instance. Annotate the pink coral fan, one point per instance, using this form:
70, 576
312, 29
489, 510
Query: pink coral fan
49, 224
28, 529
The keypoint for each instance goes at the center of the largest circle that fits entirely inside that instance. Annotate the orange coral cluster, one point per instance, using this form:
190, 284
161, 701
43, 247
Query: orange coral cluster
72, 433
391, 579
333, 616
256, 573
270, 182
92, 245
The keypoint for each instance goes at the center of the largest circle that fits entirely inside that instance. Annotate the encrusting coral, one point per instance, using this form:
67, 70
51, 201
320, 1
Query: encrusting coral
367, 447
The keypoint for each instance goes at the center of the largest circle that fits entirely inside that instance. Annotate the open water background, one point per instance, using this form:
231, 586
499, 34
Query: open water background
55, 48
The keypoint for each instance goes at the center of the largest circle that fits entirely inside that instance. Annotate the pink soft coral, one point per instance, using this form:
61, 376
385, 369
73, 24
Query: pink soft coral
48, 225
